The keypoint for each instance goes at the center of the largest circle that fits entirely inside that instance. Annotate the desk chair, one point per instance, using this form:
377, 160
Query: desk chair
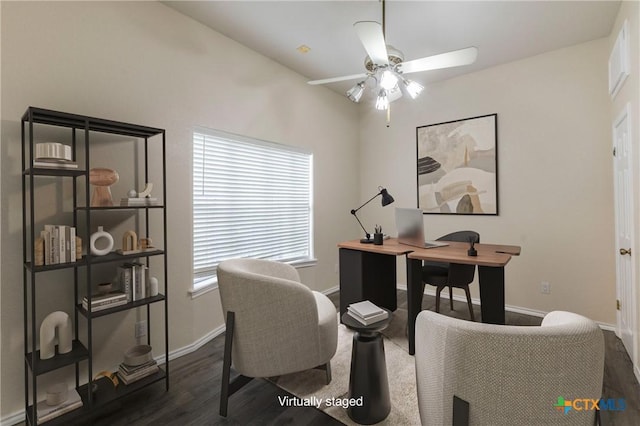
275, 324
441, 274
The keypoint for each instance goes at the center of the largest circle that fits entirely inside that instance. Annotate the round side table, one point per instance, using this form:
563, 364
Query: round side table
368, 377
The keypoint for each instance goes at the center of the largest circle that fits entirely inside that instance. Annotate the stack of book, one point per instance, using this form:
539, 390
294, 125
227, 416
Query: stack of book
105, 301
366, 312
59, 244
45, 412
129, 373
47, 163
133, 280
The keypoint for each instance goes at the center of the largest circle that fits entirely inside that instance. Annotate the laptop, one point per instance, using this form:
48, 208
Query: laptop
410, 226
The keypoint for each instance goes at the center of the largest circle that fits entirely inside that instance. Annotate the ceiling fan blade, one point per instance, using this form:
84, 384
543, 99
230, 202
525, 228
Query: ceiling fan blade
372, 38
336, 79
454, 58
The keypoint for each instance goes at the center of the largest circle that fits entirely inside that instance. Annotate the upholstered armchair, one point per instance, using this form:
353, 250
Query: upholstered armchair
486, 374
274, 324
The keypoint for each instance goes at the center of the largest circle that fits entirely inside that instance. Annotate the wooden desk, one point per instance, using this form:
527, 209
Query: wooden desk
491, 260
368, 272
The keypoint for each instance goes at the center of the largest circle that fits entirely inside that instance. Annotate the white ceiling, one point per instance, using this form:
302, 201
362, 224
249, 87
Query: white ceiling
503, 31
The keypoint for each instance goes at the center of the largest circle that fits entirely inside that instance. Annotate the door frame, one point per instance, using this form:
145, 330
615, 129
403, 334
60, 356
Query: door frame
630, 304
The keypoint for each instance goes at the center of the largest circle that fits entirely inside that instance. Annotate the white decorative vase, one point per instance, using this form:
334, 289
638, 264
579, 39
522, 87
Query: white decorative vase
153, 286
101, 234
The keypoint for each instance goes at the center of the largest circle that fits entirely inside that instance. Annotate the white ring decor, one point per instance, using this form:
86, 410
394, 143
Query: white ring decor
98, 235
56, 321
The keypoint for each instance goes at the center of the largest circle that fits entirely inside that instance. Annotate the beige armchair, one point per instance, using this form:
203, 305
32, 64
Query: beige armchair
484, 374
274, 324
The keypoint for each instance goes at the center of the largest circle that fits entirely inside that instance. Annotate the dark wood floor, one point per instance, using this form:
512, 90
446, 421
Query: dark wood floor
195, 388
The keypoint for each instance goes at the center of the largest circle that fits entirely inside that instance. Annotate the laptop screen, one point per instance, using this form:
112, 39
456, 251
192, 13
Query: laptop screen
410, 226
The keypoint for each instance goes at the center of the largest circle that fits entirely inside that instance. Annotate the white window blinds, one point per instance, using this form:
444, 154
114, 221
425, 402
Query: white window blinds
250, 199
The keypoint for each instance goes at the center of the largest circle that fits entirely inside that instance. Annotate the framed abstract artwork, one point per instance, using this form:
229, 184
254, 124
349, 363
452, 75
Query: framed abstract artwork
457, 165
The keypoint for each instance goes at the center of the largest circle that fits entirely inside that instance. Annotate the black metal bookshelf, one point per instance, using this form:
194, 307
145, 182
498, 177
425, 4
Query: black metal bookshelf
34, 121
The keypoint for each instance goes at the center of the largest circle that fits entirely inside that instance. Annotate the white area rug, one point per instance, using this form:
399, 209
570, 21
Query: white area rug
400, 370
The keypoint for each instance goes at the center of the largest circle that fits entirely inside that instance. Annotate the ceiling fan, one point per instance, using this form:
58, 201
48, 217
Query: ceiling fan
385, 66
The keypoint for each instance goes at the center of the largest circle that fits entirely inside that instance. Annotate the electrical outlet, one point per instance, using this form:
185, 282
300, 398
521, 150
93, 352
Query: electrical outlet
141, 329
545, 287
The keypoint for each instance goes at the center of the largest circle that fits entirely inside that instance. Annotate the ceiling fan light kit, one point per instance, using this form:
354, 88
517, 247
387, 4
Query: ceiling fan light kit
382, 102
386, 67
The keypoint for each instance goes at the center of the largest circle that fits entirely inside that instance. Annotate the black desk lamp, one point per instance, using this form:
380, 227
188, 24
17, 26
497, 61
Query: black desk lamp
386, 200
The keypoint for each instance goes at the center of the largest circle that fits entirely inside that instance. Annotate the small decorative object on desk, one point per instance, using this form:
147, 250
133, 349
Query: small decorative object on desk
366, 312
472, 250
378, 236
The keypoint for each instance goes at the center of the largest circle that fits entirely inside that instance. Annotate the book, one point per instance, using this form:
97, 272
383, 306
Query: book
111, 296
45, 412
59, 244
72, 244
364, 309
96, 308
369, 320
139, 202
129, 374
132, 369
46, 236
139, 281
124, 276
55, 165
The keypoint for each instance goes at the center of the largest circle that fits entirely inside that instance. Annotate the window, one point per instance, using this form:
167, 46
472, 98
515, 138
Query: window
250, 199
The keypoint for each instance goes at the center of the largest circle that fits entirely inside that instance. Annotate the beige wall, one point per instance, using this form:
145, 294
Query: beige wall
145, 63
555, 172
630, 93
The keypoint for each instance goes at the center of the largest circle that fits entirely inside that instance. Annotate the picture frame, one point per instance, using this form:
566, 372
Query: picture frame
457, 166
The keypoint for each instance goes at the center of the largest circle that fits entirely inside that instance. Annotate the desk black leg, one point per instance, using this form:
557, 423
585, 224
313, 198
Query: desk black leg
414, 299
367, 276
491, 294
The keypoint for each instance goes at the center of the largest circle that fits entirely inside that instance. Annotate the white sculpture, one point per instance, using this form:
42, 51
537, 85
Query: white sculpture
56, 321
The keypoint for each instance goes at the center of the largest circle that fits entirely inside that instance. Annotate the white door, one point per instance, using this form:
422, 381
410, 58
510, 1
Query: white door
625, 271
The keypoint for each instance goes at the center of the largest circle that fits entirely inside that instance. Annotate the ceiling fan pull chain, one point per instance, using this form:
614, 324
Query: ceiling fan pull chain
388, 114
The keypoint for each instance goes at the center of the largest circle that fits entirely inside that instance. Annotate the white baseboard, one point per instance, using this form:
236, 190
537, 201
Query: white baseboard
19, 416
330, 290
509, 308
13, 419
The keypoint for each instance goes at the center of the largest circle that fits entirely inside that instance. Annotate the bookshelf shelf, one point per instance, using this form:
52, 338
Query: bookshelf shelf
120, 308
40, 366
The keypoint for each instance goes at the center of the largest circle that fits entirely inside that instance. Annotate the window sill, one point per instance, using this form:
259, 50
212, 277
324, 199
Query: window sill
206, 285
203, 287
